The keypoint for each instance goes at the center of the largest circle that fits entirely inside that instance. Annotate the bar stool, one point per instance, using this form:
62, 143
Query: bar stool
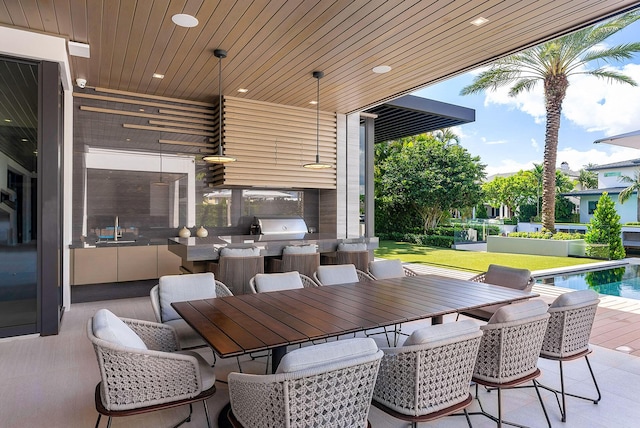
302, 258
355, 254
236, 266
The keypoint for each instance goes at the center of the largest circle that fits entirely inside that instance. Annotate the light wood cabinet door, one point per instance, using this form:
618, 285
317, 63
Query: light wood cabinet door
95, 265
136, 263
168, 262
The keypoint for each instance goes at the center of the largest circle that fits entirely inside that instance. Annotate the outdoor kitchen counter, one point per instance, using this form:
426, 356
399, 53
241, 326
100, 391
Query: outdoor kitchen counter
195, 249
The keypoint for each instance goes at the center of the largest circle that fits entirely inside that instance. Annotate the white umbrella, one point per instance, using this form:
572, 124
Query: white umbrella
630, 139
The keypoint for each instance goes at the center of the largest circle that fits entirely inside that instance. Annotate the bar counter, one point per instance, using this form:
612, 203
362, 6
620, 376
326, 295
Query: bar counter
194, 249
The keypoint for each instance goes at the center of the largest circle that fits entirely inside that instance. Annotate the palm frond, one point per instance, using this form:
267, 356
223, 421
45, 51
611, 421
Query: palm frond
615, 53
611, 76
523, 85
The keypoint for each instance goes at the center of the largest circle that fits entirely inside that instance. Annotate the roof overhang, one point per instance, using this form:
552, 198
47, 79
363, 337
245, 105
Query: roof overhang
630, 139
411, 115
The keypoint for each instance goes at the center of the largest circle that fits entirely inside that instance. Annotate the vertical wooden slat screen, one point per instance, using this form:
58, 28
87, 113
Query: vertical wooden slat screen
271, 143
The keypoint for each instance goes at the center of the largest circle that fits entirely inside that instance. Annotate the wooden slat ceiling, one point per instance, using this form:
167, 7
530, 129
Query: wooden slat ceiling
274, 45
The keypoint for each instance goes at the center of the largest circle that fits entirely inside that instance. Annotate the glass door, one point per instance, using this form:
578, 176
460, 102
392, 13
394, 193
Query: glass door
18, 196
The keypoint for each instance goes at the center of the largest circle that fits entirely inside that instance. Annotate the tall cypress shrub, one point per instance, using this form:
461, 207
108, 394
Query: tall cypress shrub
605, 228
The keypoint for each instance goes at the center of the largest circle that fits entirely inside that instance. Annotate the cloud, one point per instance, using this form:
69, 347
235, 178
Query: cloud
508, 166
495, 142
593, 104
599, 105
534, 144
576, 159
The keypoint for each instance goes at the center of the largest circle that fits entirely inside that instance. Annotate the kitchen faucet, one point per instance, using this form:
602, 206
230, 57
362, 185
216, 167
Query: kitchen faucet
115, 230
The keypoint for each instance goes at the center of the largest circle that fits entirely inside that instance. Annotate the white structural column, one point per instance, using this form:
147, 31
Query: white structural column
348, 176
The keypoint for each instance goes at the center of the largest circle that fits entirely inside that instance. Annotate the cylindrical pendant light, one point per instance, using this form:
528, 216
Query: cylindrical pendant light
220, 157
317, 164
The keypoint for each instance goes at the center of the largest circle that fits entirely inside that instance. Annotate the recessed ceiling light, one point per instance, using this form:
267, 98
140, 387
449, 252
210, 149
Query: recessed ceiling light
184, 20
381, 69
313, 102
158, 76
141, 109
7, 120
24, 140
479, 21
243, 90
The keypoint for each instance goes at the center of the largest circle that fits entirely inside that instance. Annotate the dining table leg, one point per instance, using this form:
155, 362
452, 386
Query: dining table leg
276, 355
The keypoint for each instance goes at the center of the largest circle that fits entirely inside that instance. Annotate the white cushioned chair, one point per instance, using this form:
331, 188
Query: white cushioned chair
390, 268
504, 276
180, 288
428, 377
326, 385
385, 269
567, 337
265, 282
339, 274
509, 350
142, 369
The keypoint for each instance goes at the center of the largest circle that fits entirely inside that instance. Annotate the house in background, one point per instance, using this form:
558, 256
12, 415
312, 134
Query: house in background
609, 180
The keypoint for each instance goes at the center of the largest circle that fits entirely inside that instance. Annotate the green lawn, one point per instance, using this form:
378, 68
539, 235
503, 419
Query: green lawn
470, 260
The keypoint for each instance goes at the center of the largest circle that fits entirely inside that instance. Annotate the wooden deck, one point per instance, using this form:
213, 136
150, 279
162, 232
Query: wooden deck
617, 324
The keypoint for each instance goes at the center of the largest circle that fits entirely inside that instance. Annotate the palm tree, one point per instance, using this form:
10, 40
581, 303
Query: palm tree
552, 63
588, 179
633, 186
446, 135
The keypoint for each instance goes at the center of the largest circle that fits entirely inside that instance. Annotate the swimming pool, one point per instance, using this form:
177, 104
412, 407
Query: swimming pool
623, 281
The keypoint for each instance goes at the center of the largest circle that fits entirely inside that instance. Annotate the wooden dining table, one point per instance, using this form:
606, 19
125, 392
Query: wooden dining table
238, 325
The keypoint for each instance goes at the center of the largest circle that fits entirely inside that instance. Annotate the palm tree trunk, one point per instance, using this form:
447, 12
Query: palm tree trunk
555, 88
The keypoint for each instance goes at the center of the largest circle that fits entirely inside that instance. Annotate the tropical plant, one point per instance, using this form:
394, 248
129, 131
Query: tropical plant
552, 63
604, 231
633, 185
588, 179
421, 177
446, 135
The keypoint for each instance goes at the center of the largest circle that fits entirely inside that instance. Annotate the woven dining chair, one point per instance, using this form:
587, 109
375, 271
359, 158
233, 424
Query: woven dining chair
180, 288
567, 338
265, 282
385, 269
326, 385
141, 370
504, 276
428, 377
339, 274
509, 350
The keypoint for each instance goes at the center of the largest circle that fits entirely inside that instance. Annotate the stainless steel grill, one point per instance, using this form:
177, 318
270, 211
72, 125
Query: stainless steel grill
280, 227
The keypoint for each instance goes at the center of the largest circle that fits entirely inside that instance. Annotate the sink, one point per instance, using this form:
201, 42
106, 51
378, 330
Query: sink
116, 242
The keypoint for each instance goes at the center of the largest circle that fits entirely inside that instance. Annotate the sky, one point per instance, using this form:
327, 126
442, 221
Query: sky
508, 133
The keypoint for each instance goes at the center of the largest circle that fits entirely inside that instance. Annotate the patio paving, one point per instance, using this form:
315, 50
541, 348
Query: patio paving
617, 323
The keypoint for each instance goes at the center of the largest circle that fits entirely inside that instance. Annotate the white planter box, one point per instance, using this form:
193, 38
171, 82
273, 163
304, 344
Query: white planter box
542, 247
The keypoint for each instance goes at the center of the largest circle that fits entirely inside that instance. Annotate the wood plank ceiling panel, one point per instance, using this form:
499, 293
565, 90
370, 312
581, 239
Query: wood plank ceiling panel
274, 45
182, 72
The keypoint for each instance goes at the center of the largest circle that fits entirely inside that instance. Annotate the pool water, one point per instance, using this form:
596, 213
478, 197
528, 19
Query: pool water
623, 281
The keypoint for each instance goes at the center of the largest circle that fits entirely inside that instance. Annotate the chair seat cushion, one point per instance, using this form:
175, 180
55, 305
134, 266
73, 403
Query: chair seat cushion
354, 246
337, 274
508, 277
439, 332
180, 288
519, 311
300, 249
240, 252
187, 336
266, 282
575, 298
207, 374
107, 326
330, 353
382, 269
